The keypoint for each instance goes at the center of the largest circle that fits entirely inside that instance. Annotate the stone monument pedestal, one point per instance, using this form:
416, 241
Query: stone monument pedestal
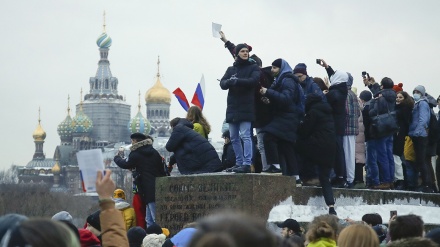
184, 199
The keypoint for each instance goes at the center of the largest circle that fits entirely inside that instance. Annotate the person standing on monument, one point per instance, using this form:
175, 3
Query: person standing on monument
336, 97
147, 163
263, 113
240, 80
285, 97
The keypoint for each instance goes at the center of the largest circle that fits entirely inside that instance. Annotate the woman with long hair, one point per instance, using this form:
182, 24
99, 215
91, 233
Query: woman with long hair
404, 106
201, 125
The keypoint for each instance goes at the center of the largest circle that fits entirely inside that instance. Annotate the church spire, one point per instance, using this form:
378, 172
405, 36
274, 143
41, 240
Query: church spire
158, 63
39, 135
103, 25
139, 104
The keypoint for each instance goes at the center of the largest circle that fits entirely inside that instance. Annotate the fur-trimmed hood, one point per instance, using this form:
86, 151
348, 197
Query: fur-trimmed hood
141, 144
121, 204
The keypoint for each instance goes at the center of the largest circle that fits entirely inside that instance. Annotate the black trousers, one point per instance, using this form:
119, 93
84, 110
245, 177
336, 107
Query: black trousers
420, 145
279, 151
324, 179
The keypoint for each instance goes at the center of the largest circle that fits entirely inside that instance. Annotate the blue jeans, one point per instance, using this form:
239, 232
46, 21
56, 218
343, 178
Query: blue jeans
371, 165
150, 216
384, 149
241, 132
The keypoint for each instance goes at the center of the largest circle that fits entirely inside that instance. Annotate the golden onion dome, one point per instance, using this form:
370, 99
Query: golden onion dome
158, 94
56, 169
39, 134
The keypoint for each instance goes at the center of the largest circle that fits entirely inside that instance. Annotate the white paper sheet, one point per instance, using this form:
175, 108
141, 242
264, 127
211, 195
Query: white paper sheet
216, 28
90, 162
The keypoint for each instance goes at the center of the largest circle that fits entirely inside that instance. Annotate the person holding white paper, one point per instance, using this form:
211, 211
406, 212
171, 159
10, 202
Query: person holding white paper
147, 165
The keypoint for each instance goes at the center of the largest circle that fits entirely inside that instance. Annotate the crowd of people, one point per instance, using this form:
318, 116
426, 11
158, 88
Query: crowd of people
316, 130
116, 226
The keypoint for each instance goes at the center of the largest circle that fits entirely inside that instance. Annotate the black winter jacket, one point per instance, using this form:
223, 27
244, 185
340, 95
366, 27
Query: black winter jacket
317, 138
285, 117
403, 116
384, 103
263, 112
241, 94
336, 97
194, 154
148, 163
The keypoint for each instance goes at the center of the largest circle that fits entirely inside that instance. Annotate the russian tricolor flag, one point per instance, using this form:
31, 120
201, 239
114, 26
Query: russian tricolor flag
181, 98
198, 98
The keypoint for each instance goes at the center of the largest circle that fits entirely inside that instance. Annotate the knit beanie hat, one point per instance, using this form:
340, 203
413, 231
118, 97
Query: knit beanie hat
135, 236
118, 193
63, 215
226, 134
87, 238
154, 229
365, 95
153, 240
94, 221
421, 89
300, 68
397, 88
277, 63
387, 83
239, 47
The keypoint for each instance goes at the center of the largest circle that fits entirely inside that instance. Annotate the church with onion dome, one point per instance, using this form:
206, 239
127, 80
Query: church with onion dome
158, 101
102, 120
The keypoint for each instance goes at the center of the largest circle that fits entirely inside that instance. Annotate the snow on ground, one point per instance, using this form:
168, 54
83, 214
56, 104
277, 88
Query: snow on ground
353, 208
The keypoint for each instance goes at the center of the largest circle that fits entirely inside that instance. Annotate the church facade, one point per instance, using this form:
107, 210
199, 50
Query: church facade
102, 121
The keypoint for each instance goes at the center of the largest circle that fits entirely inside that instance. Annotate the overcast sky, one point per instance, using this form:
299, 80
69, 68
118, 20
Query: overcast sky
48, 51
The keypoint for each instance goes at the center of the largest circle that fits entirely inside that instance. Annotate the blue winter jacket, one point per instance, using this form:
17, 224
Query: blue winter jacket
310, 87
283, 96
420, 118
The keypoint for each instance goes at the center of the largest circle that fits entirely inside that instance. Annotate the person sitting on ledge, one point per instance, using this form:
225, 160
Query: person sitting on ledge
193, 153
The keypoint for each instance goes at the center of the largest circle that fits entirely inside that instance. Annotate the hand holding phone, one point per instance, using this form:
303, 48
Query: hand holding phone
393, 213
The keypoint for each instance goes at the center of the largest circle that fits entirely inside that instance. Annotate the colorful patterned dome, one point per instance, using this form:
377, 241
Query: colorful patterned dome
139, 124
65, 128
104, 41
81, 123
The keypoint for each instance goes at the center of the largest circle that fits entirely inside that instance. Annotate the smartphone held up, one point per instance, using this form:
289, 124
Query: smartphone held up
393, 213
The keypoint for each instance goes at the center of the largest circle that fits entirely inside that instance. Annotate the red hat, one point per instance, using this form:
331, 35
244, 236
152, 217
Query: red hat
398, 88
87, 238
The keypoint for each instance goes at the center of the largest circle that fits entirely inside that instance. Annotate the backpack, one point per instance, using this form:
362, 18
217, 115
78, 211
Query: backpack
433, 130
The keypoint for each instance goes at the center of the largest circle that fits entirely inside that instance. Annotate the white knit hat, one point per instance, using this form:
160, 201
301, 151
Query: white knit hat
154, 240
